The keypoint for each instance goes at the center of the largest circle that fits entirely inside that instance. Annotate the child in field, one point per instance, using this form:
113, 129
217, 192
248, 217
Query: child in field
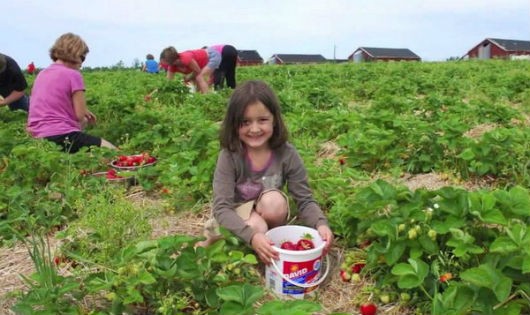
203, 67
58, 110
255, 163
150, 65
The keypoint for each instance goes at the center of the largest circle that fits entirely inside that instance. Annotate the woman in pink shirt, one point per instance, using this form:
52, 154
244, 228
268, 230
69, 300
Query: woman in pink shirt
203, 67
59, 111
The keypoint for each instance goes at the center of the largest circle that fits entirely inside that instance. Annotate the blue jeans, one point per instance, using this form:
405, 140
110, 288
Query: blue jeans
22, 103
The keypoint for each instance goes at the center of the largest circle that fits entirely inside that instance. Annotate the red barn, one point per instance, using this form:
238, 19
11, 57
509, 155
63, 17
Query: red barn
383, 54
499, 48
248, 58
284, 59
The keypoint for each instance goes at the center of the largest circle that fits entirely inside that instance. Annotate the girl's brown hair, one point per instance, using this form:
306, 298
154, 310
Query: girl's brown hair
169, 55
69, 47
246, 94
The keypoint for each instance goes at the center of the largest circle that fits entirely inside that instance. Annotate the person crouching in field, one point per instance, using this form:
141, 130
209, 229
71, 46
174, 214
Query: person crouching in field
58, 110
203, 67
254, 164
12, 85
150, 65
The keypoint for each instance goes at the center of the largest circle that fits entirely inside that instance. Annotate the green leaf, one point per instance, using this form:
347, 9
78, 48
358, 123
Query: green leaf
402, 269
243, 294
297, 307
503, 245
233, 308
503, 287
456, 299
395, 252
526, 264
467, 154
450, 222
145, 246
494, 216
480, 276
384, 228
428, 244
488, 277
512, 308
146, 278
250, 259
411, 275
517, 200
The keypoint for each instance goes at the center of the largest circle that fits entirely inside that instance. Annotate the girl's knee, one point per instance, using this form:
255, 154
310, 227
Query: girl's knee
272, 201
273, 207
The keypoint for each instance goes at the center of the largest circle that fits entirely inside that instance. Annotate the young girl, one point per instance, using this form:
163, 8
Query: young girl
255, 162
58, 110
203, 67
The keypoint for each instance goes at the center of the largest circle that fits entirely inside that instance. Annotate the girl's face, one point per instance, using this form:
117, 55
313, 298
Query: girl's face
257, 127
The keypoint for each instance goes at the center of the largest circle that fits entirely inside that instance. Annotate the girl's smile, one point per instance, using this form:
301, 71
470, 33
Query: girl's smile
257, 127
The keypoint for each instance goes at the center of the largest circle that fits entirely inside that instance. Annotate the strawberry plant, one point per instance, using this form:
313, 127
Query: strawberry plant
436, 244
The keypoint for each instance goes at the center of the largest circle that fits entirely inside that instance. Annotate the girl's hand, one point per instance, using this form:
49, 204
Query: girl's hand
327, 236
262, 246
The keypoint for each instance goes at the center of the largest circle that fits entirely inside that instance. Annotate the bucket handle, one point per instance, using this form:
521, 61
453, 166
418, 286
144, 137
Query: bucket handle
303, 285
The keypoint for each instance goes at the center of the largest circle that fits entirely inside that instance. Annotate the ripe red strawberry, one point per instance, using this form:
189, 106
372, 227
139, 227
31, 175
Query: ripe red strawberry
305, 244
111, 174
345, 276
368, 309
288, 245
357, 267
57, 260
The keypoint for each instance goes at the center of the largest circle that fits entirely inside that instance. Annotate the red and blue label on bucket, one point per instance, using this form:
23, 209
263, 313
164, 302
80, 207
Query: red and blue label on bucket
300, 272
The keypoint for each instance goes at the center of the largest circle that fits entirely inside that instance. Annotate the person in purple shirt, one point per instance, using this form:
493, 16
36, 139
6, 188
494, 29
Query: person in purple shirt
255, 163
58, 110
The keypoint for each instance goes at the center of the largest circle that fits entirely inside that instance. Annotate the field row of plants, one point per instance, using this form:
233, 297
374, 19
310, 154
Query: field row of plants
445, 251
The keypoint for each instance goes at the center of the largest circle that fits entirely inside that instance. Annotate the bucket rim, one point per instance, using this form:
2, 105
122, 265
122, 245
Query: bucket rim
317, 249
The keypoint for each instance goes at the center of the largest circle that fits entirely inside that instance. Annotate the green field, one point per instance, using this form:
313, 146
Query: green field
362, 129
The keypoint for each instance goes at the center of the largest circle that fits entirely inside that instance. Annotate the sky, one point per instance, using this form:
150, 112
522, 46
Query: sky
127, 30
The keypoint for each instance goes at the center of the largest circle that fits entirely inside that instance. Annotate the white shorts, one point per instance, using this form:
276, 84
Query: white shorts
211, 227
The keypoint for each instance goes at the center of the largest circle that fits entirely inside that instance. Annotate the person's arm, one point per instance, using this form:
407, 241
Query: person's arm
82, 113
12, 97
223, 198
170, 74
199, 75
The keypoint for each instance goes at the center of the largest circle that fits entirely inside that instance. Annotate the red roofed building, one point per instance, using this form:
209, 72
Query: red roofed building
499, 48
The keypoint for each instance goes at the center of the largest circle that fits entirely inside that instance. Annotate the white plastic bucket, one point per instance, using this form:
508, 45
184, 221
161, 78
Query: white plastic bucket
296, 273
